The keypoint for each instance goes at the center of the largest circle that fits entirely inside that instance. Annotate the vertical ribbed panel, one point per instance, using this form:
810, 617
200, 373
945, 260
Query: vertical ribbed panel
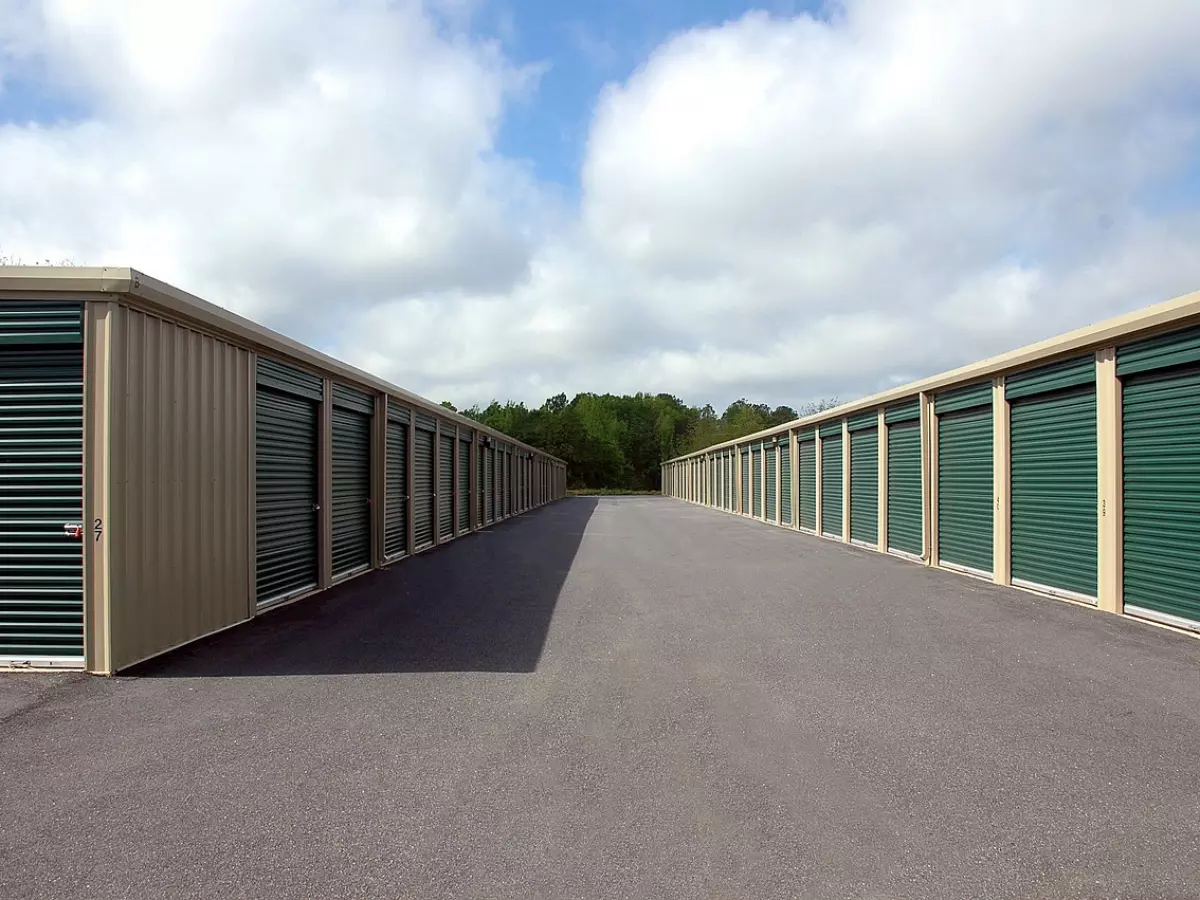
41, 484
808, 483
905, 520
351, 443
396, 513
181, 536
445, 500
831, 486
1054, 490
1161, 435
864, 485
423, 488
965, 488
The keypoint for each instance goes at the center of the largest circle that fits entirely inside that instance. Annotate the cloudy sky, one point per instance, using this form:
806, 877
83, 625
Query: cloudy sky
510, 199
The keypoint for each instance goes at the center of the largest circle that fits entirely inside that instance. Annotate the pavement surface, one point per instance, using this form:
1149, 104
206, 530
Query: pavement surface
622, 698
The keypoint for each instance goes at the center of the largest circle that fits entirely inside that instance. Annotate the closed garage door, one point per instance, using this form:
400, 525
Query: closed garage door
285, 464
719, 474
481, 484
41, 483
785, 482
772, 494
1054, 477
489, 484
831, 480
351, 480
445, 500
729, 482
396, 513
508, 493
424, 487
1161, 478
807, 448
464, 485
745, 500
756, 483
864, 479
965, 478
905, 521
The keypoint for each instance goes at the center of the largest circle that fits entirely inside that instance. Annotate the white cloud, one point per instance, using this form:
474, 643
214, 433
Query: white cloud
296, 160
968, 164
780, 208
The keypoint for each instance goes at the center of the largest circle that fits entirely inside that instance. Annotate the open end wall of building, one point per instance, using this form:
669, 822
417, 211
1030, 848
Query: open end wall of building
171, 470
1070, 468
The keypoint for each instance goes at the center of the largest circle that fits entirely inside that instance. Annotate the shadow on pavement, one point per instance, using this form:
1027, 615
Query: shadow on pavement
480, 604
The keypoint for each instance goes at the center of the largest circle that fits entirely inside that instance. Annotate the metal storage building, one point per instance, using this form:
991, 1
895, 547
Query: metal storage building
169, 469
1070, 467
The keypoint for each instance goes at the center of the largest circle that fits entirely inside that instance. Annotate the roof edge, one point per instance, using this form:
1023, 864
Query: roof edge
159, 296
1178, 311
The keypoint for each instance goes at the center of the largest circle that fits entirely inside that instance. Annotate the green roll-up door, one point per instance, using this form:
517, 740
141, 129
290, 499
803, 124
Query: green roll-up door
41, 482
445, 498
831, 485
1161, 437
756, 486
481, 484
501, 482
1054, 489
351, 491
785, 482
286, 499
864, 485
396, 513
464, 486
905, 520
729, 483
965, 488
489, 484
424, 486
807, 449
772, 471
508, 483
745, 482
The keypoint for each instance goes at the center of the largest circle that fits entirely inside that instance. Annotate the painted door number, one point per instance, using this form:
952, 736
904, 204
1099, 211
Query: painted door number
98, 528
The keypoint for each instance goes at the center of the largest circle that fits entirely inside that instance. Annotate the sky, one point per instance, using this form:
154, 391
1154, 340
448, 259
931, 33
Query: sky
506, 200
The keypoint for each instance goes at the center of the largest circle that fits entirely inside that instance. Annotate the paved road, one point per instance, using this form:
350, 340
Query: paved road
627, 698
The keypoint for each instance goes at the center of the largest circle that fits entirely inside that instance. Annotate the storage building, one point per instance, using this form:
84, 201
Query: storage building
1069, 468
169, 469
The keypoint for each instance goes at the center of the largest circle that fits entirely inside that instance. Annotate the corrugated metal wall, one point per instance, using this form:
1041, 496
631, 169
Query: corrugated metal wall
167, 522
180, 499
1072, 472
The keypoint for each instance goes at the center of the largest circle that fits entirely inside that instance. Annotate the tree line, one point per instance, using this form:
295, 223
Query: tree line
618, 442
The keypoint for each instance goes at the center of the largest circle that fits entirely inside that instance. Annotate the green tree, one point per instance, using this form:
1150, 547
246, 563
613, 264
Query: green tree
613, 441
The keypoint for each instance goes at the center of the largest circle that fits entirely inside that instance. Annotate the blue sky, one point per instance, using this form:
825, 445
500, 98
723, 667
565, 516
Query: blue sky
585, 45
781, 206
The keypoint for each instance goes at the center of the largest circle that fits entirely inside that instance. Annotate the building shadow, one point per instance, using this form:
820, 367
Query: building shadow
480, 604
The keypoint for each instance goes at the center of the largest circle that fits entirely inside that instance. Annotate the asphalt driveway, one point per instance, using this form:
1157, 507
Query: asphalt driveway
622, 698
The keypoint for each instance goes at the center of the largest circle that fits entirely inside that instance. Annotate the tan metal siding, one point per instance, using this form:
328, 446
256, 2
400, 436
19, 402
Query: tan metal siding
180, 542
